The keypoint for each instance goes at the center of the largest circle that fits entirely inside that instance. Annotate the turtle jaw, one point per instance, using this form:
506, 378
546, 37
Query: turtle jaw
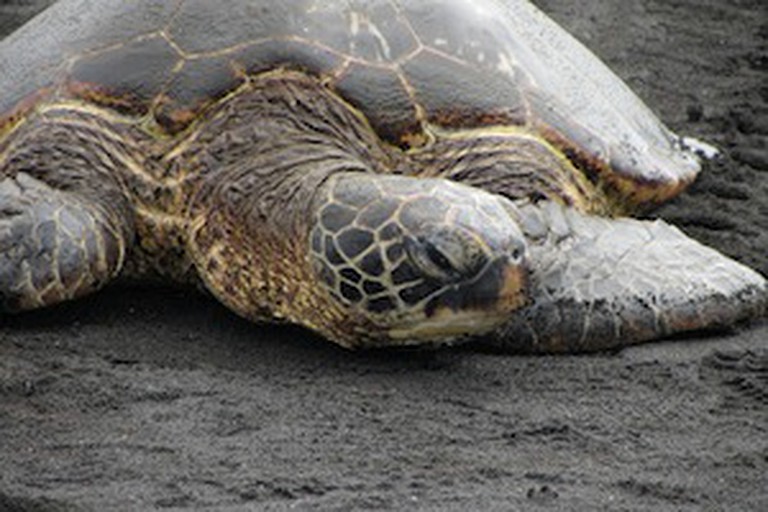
470, 309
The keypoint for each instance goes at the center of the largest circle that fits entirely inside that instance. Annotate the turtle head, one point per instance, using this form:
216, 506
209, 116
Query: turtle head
417, 260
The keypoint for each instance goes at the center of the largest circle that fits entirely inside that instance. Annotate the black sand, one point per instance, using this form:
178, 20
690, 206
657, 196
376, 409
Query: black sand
161, 399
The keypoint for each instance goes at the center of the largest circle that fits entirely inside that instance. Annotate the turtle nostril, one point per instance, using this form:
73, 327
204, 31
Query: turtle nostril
516, 254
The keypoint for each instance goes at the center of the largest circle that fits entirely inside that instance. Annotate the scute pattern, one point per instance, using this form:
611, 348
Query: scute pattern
451, 93
382, 94
195, 86
298, 55
65, 30
405, 64
144, 68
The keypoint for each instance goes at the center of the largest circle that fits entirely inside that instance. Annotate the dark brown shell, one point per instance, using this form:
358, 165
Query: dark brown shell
404, 64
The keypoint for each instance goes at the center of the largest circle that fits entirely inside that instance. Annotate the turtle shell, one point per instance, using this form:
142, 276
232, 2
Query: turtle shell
406, 64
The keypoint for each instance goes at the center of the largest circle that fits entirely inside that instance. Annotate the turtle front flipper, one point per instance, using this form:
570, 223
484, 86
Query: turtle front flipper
64, 222
600, 283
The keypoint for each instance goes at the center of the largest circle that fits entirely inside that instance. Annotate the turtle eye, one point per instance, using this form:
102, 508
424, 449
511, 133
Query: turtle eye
438, 258
445, 255
430, 259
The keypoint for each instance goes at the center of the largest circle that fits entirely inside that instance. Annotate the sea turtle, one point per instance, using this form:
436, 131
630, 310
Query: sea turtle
384, 172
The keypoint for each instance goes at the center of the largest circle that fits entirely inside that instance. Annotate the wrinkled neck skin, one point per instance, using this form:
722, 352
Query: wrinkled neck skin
253, 173
266, 152
599, 283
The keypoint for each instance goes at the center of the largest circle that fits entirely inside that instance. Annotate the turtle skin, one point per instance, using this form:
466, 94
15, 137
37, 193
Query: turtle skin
213, 146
